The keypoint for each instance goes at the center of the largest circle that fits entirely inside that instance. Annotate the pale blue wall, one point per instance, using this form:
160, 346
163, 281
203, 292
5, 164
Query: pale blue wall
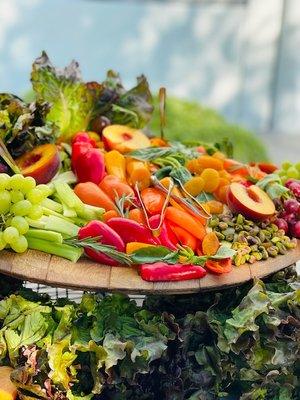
199, 50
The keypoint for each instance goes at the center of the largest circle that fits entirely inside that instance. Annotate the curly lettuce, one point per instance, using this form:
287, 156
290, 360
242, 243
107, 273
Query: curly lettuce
71, 100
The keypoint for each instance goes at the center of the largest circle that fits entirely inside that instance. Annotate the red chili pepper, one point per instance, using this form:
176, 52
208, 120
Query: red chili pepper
219, 266
166, 235
131, 231
161, 271
90, 166
107, 235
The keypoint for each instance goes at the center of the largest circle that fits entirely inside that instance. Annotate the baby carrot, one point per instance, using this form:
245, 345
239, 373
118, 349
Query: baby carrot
137, 215
185, 237
91, 194
110, 214
114, 187
186, 221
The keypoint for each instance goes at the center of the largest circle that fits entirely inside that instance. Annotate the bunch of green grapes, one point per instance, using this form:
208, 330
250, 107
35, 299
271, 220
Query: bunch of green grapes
20, 198
289, 171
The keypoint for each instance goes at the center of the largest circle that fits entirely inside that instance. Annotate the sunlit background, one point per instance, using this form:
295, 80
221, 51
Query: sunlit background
239, 57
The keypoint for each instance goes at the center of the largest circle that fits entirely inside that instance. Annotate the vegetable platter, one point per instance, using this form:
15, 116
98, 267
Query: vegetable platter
89, 199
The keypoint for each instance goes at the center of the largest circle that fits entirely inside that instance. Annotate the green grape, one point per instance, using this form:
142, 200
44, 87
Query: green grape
20, 244
21, 208
44, 189
5, 202
35, 196
286, 165
297, 165
282, 172
20, 223
36, 212
2, 242
4, 178
28, 184
10, 234
16, 196
16, 182
292, 172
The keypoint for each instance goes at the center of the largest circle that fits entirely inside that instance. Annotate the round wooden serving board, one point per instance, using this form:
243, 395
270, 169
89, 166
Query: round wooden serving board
54, 271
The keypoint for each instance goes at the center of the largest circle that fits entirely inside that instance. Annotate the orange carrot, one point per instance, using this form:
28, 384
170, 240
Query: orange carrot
91, 194
153, 200
114, 187
137, 215
110, 214
210, 244
184, 237
186, 221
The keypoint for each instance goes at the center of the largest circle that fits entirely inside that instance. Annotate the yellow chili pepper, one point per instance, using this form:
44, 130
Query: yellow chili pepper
115, 164
139, 173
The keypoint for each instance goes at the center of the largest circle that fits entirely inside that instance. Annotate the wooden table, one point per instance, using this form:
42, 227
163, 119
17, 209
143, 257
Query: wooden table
35, 266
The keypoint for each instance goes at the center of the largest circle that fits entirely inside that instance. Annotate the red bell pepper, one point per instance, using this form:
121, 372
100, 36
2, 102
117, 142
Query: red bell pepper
161, 271
84, 137
90, 166
107, 235
79, 148
219, 266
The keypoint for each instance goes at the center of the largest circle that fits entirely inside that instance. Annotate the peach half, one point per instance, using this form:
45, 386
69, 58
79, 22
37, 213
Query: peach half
8, 391
124, 139
42, 163
250, 201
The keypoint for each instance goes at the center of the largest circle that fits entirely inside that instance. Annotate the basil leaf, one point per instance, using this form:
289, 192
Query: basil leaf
223, 252
152, 254
203, 197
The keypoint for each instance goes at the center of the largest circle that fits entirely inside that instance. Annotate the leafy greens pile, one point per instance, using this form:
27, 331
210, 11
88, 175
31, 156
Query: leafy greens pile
22, 125
241, 343
65, 104
69, 351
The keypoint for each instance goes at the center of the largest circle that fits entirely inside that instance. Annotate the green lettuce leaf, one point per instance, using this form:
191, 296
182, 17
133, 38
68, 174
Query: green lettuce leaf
60, 363
72, 102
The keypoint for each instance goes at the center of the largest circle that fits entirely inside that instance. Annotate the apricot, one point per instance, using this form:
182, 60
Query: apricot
42, 163
124, 139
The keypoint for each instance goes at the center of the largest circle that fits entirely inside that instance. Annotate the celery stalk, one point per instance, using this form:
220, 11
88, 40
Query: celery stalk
53, 223
52, 205
68, 212
50, 236
61, 250
67, 196
91, 212
36, 223
48, 212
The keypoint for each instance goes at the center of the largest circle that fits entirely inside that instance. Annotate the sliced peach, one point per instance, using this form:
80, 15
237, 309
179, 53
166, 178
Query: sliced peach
8, 391
42, 163
250, 201
124, 138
